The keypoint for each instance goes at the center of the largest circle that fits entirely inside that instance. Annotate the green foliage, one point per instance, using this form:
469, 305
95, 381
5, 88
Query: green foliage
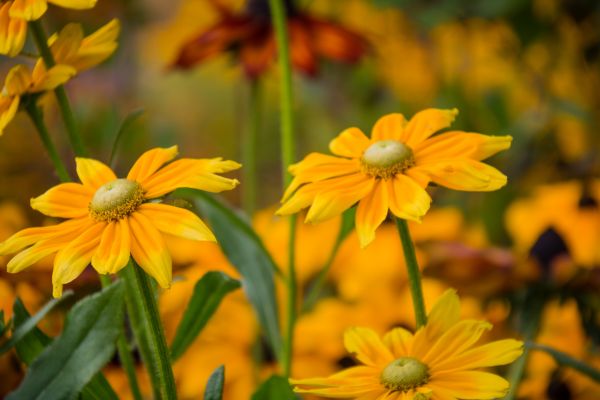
207, 295
274, 388
214, 386
566, 360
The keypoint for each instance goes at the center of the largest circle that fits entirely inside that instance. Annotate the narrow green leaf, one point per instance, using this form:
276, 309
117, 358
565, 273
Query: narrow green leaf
85, 346
207, 295
566, 360
245, 250
274, 388
98, 389
127, 122
3, 325
214, 386
31, 323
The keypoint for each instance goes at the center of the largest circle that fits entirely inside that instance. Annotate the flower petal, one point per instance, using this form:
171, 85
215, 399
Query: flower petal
458, 144
8, 108
351, 143
399, 341
149, 250
93, 173
114, 249
367, 347
177, 221
464, 174
407, 199
475, 385
29, 10
389, 127
425, 123
13, 32
499, 352
67, 200
371, 212
149, 162
74, 4
18, 80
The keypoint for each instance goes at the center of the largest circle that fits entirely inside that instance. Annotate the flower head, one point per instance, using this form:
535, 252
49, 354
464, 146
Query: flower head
109, 219
439, 361
391, 170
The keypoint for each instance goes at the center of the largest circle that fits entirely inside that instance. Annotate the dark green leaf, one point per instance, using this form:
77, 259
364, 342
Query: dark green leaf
208, 293
245, 250
98, 389
129, 119
85, 346
3, 325
31, 323
566, 360
274, 388
214, 386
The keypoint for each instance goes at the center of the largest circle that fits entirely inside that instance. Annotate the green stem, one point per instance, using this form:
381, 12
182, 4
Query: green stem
414, 275
35, 113
125, 354
148, 331
41, 41
279, 20
249, 147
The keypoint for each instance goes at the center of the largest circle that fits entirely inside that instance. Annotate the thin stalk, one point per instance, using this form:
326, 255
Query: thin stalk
35, 113
41, 41
278, 18
125, 354
249, 147
148, 331
414, 275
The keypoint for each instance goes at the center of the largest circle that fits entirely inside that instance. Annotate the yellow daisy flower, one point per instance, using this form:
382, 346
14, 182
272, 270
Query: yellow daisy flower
109, 219
438, 362
391, 170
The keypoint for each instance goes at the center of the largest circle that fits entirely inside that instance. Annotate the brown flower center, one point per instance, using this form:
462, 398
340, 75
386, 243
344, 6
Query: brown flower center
115, 200
386, 158
404, 374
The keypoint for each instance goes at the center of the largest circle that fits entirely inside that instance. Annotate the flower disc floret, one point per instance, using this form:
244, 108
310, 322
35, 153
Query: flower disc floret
404, 374
115, 200
387, 158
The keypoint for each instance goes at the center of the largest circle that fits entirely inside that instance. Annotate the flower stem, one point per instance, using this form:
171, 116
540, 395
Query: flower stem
249, 146
125, 354
414, 275
148, 331
35, 113
41, 41
279, 20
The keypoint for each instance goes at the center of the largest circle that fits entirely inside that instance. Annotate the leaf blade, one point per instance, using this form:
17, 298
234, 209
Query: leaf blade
214, 386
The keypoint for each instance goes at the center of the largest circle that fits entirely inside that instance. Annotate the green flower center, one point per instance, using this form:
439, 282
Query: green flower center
115, 200
404, 374
386, 158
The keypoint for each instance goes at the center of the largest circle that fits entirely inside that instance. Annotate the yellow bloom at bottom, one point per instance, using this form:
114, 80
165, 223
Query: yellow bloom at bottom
109, 219
438, 362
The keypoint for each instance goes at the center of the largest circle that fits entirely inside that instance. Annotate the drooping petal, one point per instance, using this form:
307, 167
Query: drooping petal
8, 109
49, 79
177, 221
500, 352
389, 127
367, 347
351, 143
256, 55
149, 250
149, 162
458, 144
471, 385
302, 53
13, 32
74, 4
65, 44
29, 10
336, 42
399, 341
114, 249
18, 80
96, 47
425, 123
464, 174
93, 173
67, 200
372, 210
407, 199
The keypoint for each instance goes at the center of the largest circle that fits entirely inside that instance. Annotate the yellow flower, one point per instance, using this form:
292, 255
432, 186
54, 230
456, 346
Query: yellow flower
20, 81
15, 14
439, 361
390, 170
71, 48
109, 219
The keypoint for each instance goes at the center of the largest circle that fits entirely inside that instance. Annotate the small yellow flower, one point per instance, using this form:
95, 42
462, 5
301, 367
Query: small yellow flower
391, 170
70, 47
109, 219
439, 361
20, 81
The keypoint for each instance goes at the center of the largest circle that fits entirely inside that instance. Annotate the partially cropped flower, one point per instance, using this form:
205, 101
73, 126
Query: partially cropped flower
21, 82
109, 219
70, 47
440, 361
14, 15
250, 36
391, 170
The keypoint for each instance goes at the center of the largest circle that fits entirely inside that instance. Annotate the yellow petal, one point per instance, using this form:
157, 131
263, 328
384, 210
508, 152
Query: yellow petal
93, 173
176, 221
367, 347
67, 200
113, 251
149, 250
350, 143
458, 144
149, 162
97, 47
407, 199
74, 4
8, 109
48, 80
399, 341
499, 352
425, 123
371, 212
302, 198
29, 10
72, 260
13, 32
464, 174
389, 127
18, 80
474, 385
66, 43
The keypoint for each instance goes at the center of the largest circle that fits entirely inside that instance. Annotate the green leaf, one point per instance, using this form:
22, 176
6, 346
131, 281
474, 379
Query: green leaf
3, 325
214, 386
85, 346
566, 360
98, 389
127, 122
274, 388
208, 293
245, 250
31, 323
